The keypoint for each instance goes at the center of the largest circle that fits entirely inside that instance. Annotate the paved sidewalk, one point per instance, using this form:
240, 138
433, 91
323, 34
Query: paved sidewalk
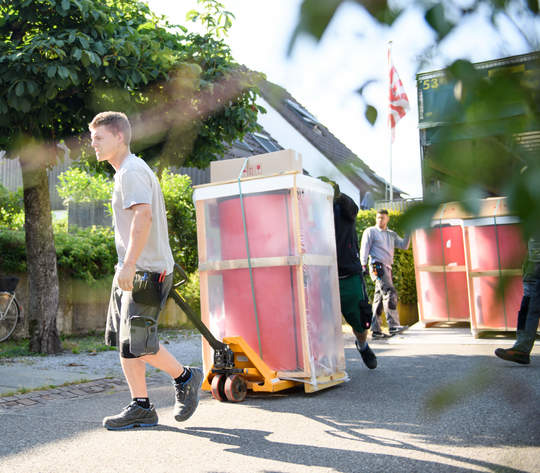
439, 401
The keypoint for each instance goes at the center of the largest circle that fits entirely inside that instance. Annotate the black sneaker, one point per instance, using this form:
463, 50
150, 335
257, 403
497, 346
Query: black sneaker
187, 395
379, 335
509, 354
368, 357
397, 329
132, 416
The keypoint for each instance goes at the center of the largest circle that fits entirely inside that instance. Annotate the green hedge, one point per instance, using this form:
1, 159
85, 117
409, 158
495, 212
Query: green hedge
403, 267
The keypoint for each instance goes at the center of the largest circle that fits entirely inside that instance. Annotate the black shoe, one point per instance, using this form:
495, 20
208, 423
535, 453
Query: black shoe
368, 357
509, 354
132, 416
397, 329
187, 395
379, 335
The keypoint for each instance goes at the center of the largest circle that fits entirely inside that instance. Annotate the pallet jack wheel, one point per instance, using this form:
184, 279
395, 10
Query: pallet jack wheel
218, 387
235, 388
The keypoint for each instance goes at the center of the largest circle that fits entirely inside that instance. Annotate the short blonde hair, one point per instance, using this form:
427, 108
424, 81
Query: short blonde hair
115, 121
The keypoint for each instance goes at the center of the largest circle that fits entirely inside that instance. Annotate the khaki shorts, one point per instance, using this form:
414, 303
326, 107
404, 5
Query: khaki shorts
132, 326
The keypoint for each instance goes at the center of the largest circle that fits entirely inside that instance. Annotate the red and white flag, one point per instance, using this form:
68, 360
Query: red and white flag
399, 102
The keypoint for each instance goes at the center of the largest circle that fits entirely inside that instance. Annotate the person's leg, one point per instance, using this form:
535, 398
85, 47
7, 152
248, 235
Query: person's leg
526, 332
389, 298
527, 325
351, 294
164, 361
135, 373
376, 307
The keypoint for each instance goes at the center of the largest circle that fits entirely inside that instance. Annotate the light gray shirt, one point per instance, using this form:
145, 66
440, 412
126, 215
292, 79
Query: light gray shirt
379, 245
136, 183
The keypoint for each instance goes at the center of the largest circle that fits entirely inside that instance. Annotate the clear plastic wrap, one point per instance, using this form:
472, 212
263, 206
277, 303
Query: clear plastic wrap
287, 307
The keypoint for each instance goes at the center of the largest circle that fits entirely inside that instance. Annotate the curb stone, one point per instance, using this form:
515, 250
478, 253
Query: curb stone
72, 391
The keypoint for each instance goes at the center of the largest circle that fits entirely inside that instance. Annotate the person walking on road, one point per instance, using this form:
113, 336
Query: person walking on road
529, 312
378, 243
352, 290
142, 280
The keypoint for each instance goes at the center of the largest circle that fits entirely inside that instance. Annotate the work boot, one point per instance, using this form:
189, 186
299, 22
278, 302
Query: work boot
187, 395
368, 357
132, 416
509, 354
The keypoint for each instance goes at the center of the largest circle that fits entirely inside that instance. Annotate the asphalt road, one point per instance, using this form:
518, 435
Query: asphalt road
438, 402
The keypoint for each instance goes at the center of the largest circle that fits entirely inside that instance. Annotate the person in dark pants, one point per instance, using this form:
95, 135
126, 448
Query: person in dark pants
529, 312
378, 243
355, 306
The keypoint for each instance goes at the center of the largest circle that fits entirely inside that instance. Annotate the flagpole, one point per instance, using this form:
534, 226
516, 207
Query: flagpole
389, 123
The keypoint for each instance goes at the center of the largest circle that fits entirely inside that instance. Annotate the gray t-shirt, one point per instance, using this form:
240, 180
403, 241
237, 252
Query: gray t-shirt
136, 183
379, 245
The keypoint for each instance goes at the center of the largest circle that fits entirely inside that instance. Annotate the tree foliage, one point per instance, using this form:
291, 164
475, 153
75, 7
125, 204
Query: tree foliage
488, 162
62, 61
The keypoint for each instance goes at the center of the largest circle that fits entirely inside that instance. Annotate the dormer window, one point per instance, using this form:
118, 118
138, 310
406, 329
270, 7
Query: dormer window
265, 142
306, 116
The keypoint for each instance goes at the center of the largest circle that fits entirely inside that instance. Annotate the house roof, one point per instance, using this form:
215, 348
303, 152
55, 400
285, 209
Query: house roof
321, 138
252, 144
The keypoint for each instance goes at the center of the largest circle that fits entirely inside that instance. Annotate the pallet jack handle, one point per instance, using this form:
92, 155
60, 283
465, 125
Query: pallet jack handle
199, 325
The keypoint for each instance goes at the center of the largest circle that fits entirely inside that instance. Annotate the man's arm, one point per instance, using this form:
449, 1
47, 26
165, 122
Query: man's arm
365, 247
138, 236
402, 243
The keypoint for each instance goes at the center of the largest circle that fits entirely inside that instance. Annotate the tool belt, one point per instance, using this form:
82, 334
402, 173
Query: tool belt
147, 288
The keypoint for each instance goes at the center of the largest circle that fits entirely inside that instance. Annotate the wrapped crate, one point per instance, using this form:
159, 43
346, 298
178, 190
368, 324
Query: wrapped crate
495, 252
268, 273
439, 260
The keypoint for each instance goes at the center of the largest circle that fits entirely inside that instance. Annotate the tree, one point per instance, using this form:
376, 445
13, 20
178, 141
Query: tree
497, 164
63, 61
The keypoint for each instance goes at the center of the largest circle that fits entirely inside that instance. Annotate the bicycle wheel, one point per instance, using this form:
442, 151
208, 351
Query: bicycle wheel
9, 315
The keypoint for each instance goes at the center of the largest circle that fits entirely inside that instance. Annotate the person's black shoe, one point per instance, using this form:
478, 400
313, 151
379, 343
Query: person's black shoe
187, 395
368, 357
509, 354
397, 329
132, 416
379, 335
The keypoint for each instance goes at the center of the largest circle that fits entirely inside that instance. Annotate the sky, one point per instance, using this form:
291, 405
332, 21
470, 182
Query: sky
324, 76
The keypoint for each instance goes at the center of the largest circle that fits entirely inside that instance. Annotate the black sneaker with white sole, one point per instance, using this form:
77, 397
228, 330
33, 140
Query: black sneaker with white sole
187, 395
376, 335
132, 416
397, 329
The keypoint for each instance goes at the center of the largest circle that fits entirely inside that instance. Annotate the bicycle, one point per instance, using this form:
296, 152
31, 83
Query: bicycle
10, 310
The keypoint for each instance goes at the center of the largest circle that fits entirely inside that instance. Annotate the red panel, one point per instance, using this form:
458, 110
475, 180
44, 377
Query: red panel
269, 229
487, 295
484, 239
489, 303
277, 311
430, 246
268, 226
433, 292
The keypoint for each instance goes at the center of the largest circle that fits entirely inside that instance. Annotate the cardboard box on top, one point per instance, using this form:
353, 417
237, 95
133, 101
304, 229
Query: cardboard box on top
259, 165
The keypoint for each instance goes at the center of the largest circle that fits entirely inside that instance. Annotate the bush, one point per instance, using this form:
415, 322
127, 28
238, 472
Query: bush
86, 253
11, 209
79, 185
178, 195
403, 267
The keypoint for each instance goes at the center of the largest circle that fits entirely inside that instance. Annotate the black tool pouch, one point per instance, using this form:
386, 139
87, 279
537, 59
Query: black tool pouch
147, 289
143, 339
378, 269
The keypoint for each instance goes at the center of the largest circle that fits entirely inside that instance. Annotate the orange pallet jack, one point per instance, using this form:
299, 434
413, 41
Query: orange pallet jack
237, 367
